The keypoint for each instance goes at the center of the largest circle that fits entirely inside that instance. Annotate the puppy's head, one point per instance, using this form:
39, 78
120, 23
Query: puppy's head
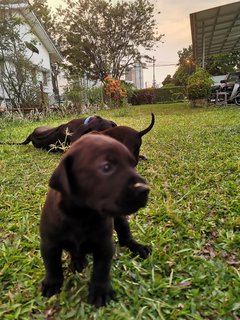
98, 173
102, 124
96, 124
128, 136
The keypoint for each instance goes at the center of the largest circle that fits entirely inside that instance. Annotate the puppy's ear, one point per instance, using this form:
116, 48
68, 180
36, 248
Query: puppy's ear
61, 179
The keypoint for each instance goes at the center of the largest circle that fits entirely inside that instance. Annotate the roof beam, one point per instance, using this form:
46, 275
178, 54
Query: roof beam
214, 30
230, 29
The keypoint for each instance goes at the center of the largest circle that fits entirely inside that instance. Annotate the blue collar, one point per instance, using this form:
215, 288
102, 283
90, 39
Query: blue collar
87, 120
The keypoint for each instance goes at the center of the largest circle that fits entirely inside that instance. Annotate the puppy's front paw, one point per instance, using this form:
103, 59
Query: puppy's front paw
138, 249
99, 297
141, 250
49, 289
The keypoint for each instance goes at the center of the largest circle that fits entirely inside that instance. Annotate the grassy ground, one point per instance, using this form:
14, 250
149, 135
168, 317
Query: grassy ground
192, 222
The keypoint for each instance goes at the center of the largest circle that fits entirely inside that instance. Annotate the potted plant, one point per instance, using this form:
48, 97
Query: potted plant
199, 88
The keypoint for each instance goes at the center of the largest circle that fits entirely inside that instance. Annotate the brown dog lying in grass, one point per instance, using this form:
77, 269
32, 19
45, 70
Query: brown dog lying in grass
56, 139
91, 191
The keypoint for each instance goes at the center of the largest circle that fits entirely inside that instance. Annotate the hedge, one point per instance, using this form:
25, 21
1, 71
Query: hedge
160, 95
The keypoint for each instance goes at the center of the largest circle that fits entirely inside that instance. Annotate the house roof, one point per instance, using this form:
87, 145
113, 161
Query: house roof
215, 30
39, 30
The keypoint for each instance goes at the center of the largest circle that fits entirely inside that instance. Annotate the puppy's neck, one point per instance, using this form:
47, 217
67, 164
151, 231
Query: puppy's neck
71, 211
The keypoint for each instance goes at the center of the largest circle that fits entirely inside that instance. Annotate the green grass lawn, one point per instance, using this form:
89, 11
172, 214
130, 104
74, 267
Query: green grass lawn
192, 222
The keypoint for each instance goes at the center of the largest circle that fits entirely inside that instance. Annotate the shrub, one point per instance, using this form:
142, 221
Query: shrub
114, 94
83, 98
143, 96
199, 85
74, 96
169, 93
95, 95
129, 89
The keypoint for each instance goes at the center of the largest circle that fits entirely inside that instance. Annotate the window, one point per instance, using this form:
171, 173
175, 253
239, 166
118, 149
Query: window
45, 78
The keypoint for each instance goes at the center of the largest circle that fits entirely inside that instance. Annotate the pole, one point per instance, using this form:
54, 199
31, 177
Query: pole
203, 45
203, 53
154, 79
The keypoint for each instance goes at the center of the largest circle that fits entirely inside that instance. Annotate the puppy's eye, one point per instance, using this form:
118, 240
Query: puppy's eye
107, 168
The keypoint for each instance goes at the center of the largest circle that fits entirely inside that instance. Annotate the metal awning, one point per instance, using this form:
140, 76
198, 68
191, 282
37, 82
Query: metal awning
215, 30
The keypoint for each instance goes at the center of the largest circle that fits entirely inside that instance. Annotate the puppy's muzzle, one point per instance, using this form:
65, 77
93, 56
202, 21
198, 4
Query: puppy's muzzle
141, 189
135, 196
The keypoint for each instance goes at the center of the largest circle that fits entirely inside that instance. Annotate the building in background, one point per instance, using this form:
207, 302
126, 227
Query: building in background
135, 75
43, 55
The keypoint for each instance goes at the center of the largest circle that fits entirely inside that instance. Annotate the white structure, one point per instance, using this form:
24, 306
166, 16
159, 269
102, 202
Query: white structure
135, 75
46, 52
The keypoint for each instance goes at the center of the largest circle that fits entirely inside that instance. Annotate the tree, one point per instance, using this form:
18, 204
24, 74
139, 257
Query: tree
181, 75
217, 64
43, 12
223, 63
185, 55
100, 38
167, 80
17, 73
186, 67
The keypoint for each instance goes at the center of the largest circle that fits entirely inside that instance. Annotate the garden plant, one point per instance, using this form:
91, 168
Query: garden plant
199, 88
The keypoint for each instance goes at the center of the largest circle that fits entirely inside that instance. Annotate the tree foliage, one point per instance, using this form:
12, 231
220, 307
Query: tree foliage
180, 77
100, 38
44, 14
220, 64
168, 80
185, 55
186, 66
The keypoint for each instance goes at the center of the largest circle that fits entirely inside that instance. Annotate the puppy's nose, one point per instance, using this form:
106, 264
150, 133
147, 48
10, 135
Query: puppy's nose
141, 188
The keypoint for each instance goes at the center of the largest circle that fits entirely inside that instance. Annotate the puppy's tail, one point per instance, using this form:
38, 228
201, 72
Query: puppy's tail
27, 141
143, 132
17, 143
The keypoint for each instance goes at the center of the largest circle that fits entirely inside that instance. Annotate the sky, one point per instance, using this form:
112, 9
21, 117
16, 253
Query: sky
174, 22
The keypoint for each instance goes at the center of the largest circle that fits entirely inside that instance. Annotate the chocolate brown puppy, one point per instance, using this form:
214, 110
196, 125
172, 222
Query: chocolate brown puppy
45, 137
91, 191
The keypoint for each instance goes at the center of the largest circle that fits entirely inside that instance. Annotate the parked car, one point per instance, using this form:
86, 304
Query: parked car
230, 85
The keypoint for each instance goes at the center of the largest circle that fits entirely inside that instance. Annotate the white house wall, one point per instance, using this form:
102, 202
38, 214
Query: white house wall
41, 59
